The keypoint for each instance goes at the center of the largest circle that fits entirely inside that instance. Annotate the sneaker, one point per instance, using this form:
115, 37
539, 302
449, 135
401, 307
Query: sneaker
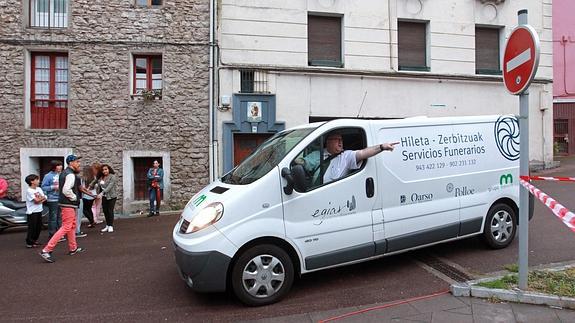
151, 214
29, 246
81, 234
157, 213
110, 229
47, 256
91, 225
78, 250
105, 229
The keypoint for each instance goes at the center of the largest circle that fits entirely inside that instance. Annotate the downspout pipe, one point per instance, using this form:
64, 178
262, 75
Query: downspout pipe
212, 153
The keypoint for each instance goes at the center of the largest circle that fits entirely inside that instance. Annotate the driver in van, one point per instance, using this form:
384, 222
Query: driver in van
338, 162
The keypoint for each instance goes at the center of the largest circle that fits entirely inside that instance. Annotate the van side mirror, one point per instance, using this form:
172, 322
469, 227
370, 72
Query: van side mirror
299, 178
295, 178
286, 173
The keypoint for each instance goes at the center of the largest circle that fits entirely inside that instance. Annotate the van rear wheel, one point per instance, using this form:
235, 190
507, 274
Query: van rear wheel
262, 275
500, 226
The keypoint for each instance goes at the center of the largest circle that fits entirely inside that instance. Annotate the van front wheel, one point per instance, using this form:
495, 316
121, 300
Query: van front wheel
262, 275
500, 226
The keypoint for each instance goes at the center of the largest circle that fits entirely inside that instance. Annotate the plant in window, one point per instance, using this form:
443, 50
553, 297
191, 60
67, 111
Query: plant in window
151, 94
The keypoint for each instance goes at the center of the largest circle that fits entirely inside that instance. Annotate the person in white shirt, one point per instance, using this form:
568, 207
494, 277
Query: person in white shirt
341, 161
34, 199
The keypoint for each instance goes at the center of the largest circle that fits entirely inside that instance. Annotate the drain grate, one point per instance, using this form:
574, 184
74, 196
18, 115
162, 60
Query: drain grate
443, 267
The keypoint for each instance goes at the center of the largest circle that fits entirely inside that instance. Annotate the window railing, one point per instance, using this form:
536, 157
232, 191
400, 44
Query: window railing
48, 13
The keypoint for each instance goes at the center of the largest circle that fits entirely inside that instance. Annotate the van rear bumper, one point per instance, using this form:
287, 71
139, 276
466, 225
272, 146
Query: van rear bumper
203, 271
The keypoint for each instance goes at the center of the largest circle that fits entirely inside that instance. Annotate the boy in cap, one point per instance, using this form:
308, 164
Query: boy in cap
69, 200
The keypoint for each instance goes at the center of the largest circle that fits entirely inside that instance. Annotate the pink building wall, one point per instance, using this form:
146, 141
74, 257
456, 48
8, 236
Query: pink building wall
564, 49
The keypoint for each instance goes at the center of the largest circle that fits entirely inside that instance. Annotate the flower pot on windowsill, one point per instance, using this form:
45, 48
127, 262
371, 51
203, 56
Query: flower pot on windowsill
151, 95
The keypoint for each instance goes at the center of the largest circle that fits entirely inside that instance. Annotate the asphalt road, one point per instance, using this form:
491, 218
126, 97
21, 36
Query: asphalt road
131, 275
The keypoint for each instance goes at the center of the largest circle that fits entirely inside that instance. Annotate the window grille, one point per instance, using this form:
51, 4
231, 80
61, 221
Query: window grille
48, 13
252, 81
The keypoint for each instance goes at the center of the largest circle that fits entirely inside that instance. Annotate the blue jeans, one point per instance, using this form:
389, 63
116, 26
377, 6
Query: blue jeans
155, 203
54, 217
79, 214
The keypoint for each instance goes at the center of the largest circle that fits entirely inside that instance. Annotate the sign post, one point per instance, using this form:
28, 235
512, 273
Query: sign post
520, 63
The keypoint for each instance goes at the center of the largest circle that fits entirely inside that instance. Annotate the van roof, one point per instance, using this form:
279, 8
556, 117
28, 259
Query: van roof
418, 120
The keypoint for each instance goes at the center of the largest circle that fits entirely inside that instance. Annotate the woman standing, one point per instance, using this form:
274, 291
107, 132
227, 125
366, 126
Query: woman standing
88, 195
97, 204
155, 187
108, 185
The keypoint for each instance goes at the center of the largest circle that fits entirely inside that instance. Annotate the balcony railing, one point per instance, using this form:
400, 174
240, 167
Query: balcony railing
48, 13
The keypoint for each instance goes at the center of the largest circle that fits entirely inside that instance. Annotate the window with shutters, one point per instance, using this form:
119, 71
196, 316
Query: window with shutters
49, 91
412, 45
487, 55
324, 41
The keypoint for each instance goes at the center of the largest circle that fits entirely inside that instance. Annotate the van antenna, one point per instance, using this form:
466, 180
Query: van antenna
361, 106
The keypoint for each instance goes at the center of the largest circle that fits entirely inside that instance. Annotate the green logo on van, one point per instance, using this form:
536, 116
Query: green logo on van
506, 179
199, 200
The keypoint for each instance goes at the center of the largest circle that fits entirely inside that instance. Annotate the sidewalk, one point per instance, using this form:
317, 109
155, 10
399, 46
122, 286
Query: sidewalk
441, 307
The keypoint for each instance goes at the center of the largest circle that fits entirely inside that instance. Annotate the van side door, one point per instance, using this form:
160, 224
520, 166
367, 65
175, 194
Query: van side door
331, 222
418, 190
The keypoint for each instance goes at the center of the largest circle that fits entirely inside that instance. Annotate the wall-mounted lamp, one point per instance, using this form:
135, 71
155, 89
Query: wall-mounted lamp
225, 103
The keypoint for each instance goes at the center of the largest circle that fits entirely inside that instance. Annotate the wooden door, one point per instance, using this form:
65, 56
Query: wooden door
141, 166
246, 143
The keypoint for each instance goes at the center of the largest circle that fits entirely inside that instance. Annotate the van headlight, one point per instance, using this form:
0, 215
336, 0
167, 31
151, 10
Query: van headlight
209, 215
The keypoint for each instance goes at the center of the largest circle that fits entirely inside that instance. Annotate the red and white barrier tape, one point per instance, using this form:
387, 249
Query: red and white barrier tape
546, 178
559, 210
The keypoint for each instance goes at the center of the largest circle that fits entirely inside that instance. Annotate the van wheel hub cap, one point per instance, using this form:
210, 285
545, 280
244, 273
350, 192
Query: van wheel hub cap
501, 226
263, 276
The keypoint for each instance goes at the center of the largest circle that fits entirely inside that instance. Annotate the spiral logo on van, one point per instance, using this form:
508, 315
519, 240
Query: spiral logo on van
507, 137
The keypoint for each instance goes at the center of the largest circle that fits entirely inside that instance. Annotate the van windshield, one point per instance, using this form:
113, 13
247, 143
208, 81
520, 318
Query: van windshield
265, 157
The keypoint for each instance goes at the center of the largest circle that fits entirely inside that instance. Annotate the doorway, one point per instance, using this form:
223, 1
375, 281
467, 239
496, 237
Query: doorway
561, 136
141, 166
246, 143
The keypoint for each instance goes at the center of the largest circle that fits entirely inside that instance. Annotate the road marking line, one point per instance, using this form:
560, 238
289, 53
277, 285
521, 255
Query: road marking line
519, 60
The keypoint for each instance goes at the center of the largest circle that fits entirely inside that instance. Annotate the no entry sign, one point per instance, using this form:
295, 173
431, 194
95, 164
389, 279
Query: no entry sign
521, 59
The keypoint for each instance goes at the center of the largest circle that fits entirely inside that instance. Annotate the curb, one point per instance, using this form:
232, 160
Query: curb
144, 215
470, 289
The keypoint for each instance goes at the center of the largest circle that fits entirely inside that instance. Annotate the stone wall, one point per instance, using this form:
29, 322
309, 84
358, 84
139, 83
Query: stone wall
104, 120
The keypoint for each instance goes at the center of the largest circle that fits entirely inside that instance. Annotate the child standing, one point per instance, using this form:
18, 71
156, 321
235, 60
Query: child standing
34, 199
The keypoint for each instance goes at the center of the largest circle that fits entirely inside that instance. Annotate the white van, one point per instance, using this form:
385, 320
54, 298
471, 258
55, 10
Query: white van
271, 219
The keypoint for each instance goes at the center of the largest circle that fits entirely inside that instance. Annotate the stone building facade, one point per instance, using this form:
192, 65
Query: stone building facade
98, 61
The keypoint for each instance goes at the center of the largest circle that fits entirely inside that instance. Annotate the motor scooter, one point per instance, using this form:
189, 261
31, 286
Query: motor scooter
13, 214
